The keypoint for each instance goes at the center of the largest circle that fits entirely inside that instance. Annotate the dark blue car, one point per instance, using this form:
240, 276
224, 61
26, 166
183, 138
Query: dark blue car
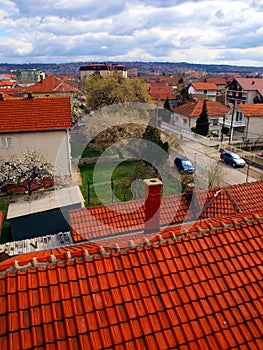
184, 164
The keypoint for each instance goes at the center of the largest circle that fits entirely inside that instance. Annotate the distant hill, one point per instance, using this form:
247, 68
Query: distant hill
143, 67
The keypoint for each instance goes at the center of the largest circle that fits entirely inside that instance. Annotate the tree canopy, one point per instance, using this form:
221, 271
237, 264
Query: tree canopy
153, 134
25, 170
202, 123
114, 89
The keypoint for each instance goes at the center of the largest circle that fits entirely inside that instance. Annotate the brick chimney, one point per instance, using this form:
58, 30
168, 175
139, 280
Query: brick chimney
153, 189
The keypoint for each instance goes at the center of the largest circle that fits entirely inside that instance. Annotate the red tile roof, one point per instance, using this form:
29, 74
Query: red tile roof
252, 110
120, 221
12, 91
35, 114
197, 290
51, 84
217, 80
10, 84
199, 85
251, 84
159, 91
194, 108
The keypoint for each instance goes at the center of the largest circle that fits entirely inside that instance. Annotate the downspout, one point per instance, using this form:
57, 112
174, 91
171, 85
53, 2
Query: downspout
247, 127
69, 151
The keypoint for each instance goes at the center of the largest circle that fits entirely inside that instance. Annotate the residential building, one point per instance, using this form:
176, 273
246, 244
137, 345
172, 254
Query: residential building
101, 69
244, 122
196, 286
244, 90
52, 86
11, 92
122, 222
5, 84
37, 123
203, 90
25, 76
185, 115
160, 92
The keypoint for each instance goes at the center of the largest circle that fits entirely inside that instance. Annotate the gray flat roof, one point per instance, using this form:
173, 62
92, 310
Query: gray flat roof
59, 198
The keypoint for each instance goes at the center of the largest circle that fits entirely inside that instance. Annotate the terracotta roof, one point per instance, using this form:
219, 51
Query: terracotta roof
217, 80
252, 110
194, 108
159, 91
94, 223
199, 85
125, 221
51, 84
6, 83
11, 91
251, 84
35, 114
200, 290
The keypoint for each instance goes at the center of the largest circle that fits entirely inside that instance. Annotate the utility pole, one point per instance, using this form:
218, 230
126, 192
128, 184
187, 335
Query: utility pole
231, 126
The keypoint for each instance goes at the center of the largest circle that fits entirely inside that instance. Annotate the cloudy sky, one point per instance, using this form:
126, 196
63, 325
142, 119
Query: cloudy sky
197, 31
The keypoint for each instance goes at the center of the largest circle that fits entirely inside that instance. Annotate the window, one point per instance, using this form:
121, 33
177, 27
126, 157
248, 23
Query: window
6, 142
215, 122
239, 116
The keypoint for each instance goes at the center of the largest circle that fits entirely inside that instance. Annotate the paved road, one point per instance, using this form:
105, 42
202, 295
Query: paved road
202, 155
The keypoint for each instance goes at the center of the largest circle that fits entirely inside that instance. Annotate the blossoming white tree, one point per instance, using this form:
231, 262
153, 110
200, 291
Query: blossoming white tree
27, 169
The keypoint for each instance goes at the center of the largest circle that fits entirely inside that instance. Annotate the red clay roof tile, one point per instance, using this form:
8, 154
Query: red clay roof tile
51, 84
200, 85
194, 108
35, 114
183, 292
161, 91
252, 110
122, 222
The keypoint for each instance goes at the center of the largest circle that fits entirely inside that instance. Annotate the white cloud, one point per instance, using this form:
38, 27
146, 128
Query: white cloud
199, 31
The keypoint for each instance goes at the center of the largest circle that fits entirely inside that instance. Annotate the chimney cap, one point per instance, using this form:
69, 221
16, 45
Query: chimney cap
153, 182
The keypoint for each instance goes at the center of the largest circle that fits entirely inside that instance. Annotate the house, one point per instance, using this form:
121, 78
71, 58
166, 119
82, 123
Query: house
187, 287
160, 92
185, 115
27, 76
221, 82
6, 84
11, 92
203, 90
37, 123
52, 86
246, 121
122, 222
244, 90
43, 214
101, 69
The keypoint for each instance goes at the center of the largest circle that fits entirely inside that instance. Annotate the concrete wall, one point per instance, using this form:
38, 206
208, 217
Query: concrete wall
55, 144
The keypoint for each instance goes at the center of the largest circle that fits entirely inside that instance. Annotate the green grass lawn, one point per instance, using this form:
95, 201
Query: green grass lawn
118, 176
103, 179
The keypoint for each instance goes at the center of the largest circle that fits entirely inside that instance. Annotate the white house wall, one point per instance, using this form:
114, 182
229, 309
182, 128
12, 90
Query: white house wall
52, 143
254, 127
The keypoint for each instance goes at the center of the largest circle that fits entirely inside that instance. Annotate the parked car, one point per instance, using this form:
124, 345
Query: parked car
184, 164
233, 159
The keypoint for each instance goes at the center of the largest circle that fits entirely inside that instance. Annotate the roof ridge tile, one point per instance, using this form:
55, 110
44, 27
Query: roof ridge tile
157, 240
